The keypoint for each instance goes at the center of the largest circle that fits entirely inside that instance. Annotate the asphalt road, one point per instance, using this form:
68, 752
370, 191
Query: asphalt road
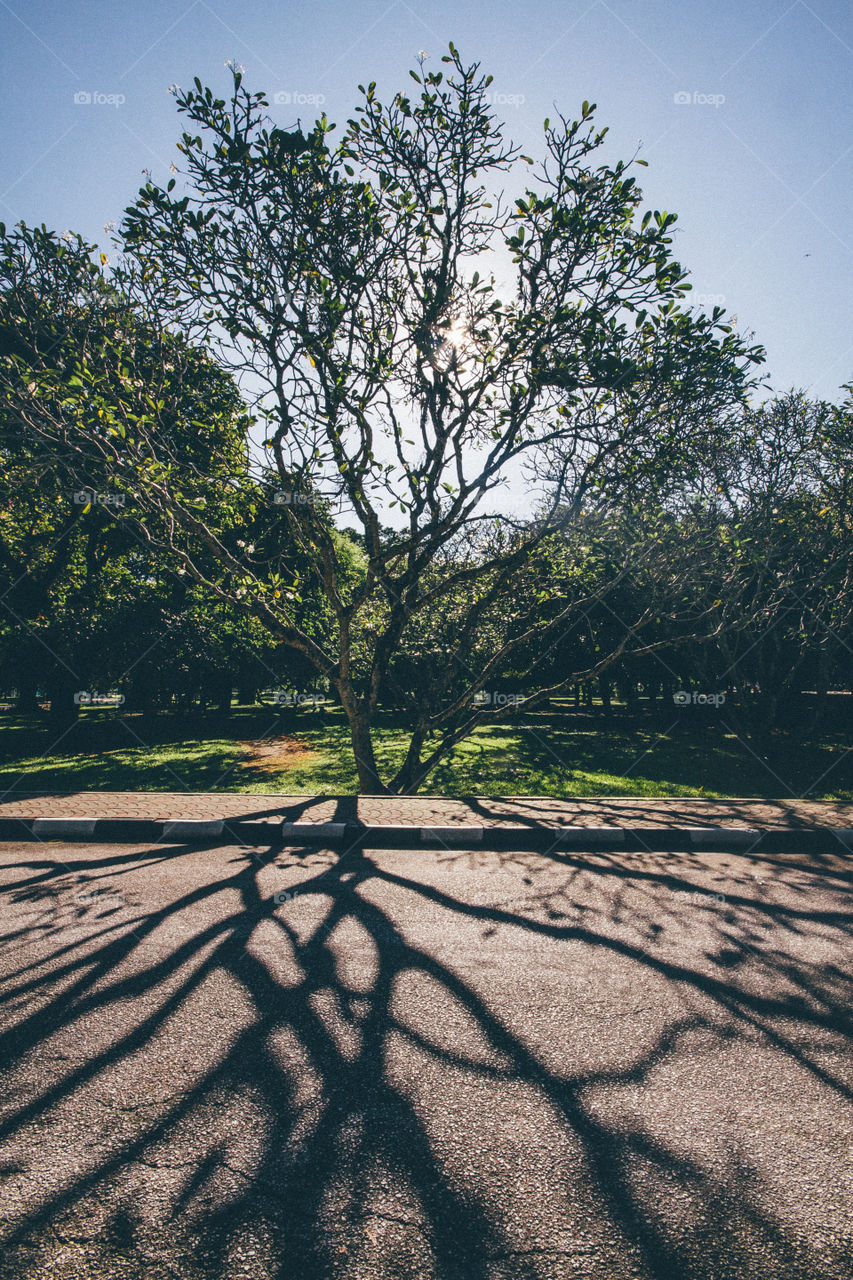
289, 1065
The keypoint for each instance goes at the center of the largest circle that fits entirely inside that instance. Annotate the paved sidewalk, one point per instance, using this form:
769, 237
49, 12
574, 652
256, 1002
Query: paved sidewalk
425, 811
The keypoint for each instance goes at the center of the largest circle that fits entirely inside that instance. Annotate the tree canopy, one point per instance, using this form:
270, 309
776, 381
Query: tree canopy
416, 314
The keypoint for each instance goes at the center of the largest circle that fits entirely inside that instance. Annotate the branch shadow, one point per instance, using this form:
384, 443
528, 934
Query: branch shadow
296, 1063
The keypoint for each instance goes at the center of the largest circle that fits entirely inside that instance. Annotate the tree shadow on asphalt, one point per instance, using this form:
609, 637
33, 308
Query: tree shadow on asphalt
247, 1075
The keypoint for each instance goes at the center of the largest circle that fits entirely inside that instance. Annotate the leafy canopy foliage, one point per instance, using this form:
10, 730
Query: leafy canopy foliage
355, 288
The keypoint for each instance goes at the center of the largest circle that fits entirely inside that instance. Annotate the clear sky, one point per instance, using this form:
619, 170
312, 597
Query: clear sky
743, 109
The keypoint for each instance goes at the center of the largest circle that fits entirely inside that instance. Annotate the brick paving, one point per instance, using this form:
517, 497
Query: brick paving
485, 811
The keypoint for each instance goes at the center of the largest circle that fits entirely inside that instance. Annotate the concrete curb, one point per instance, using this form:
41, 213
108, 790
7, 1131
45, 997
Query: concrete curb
659, 839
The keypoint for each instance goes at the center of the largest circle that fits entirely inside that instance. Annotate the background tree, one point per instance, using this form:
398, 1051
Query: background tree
81, 565
785, 552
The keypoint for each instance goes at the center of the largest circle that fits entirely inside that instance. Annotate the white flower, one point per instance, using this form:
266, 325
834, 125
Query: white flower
174, 88
422, 53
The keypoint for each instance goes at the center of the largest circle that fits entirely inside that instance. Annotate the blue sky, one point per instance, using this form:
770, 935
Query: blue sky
757, 162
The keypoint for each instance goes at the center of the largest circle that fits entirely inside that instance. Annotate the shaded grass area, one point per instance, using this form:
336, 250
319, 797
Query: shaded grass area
552, 753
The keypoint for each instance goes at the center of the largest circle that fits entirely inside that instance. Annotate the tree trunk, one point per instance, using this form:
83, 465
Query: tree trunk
63, 709
407, 780
369, 782
142, 691
27, 703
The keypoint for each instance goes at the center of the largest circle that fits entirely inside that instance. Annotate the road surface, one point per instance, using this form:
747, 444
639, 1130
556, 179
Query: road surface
286, 1065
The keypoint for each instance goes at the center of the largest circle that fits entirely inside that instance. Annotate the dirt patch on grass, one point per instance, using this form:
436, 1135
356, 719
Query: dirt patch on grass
271, 755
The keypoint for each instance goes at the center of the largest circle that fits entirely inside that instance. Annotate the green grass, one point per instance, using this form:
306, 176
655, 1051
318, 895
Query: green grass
553, 753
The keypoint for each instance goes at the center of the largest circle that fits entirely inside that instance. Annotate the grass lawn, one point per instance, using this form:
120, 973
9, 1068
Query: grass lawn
554, 752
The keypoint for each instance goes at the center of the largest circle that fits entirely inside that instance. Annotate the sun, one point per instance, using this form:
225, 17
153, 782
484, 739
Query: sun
457, 334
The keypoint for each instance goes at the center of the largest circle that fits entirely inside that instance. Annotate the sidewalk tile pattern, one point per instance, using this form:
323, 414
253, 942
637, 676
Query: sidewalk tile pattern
426, 811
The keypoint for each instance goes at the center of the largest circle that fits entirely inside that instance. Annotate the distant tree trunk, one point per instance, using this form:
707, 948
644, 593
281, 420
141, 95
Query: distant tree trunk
247, 693
218, 691
142, 698
61, 688
27, 701
604, 690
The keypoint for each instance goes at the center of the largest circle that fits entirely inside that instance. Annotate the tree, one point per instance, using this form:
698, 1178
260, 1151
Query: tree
355, 287
78, 369
786, 495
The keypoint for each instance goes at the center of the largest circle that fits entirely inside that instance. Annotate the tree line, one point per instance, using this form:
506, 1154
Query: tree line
272, 442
